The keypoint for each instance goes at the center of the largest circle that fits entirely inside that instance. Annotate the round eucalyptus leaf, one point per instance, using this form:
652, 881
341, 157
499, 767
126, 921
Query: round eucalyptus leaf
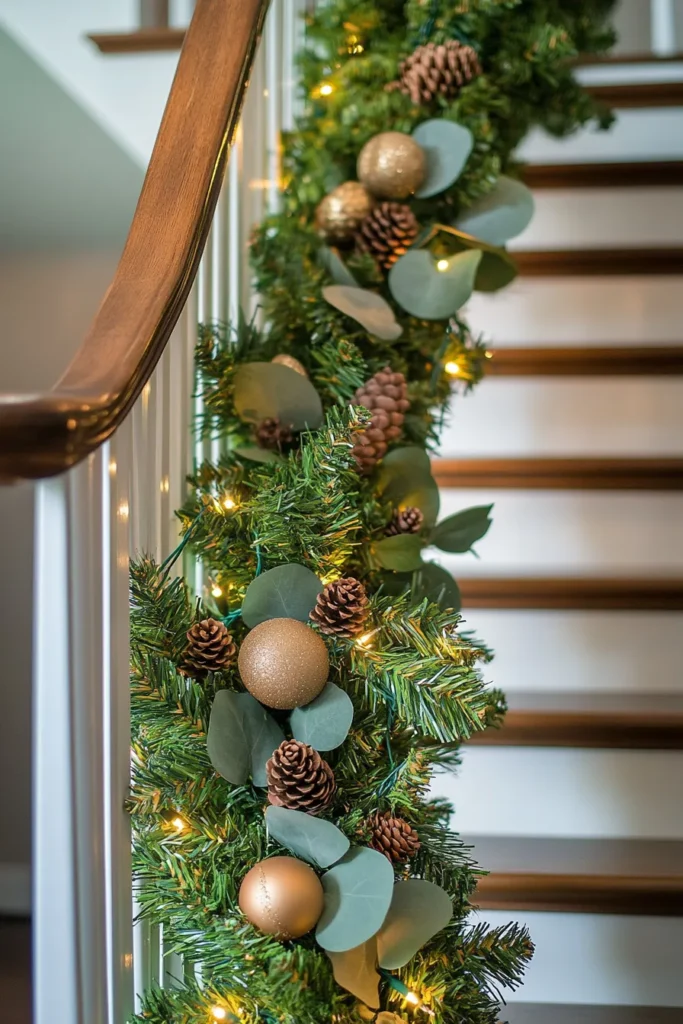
447, 146
241, 737
256, 454
333, 263
312, 839
459, 532
501, 215
496, 269
402, 553
285, 592
356, 971
367, 308
271, 390
358, 893
419, 909
325, 722
430, 293
405, 480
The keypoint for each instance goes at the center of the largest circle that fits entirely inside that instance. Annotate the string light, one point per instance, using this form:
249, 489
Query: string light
413, 999
219, 1013
365, 640
229, 503
442, 265
327, 89
178, 824
452, 368
216, 590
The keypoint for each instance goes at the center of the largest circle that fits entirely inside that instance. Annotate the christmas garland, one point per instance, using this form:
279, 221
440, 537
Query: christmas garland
288, 723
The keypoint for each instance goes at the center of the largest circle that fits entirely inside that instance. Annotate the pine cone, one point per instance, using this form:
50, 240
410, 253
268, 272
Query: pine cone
209, 648
407, 520
437, 70
299, 779
386, 396
274, 436
341, 608
387, 232
393, 837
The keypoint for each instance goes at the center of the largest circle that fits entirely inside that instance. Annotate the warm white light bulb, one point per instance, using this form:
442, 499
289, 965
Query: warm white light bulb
218, 1013
327, 89
229, 502
442, 265
413, 999
178, 824
452, 368
364, 640
216, 590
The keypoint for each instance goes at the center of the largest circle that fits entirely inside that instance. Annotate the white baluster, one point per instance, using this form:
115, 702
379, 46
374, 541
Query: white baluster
663, 27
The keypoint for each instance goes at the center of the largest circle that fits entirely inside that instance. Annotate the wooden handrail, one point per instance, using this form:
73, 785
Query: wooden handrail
44, 434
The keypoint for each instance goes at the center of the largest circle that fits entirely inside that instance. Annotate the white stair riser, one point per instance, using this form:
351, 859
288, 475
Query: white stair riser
598, 416
588, 533
633, 309
527, 791
636, 135
558, 652
606, 218
599, 959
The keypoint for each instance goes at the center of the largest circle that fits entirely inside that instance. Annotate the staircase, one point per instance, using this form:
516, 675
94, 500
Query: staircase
576, 436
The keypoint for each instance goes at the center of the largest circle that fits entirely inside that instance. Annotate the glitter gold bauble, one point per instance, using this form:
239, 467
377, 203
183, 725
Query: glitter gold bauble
283, 663
286, 360
282, 896
342, 212
392, 165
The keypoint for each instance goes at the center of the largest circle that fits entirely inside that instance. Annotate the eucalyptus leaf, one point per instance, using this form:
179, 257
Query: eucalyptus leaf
312, 839
459, 532
419, 909
356, 971
256, 454
335, 266
425, 291
358, 893
433, 582
241, 737
496, 269
272, 390
447, 146
368, 308
285, 592
501, 215
405, 480
402, 553
325, 722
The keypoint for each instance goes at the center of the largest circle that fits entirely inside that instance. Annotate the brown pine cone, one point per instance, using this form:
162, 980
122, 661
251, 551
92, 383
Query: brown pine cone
274, 436
406, 520
387, 232
209, 648
341, 608
299, 779
386, 396
437, 70
393, 837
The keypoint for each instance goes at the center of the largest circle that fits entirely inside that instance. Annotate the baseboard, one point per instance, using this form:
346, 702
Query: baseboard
15, 890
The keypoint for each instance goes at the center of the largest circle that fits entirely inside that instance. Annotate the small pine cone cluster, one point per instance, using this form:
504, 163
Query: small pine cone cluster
387, 232
210, 648
393, 837
386, 396
437, 70
274, 436
341, 608
298, 778
406, 520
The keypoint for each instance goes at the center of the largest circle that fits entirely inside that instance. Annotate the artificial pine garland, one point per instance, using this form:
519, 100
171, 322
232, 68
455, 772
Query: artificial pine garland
318, 515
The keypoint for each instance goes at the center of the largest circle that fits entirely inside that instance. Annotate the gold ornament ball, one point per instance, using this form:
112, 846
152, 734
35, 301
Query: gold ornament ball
282, 896
283, 663
342, 212
392, 165
286, 360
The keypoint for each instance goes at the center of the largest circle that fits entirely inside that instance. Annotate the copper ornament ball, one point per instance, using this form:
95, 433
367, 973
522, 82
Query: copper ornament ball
282, 896
283, 663
342, 212
392, 165
284, 359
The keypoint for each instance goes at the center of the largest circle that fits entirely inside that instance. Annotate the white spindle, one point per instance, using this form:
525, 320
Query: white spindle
663, 27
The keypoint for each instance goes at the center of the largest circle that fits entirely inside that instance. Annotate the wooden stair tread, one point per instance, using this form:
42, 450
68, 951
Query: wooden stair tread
615, 876
562, 473
634, 95
143, 40
580, 361
607, 720
553, 1013
599, 262
573, 592
620, 174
